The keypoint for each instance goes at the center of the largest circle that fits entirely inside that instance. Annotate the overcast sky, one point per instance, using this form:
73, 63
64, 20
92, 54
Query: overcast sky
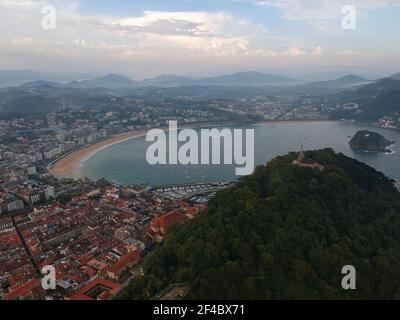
201, 37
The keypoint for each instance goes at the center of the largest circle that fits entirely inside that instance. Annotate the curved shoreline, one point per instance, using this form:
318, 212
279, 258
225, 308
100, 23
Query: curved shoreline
65, 165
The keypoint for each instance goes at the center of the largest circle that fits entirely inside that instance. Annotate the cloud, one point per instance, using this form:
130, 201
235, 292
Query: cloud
20, 3
164, 26
311, 10
192, 30
293, 51
166, 23
159, 41
162, 38
317, 51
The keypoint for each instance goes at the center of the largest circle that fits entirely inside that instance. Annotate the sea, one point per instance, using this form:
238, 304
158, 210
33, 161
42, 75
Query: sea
125, 163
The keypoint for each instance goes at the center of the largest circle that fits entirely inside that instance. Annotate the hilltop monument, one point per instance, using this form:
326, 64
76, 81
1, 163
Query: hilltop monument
301, 161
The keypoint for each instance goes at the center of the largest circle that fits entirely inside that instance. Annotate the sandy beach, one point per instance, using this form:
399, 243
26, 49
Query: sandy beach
295, 121
64, 166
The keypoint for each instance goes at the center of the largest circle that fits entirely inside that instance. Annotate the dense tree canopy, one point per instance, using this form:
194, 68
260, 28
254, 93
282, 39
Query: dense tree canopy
285, 232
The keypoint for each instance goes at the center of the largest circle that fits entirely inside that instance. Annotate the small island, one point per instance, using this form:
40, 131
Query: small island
369, 141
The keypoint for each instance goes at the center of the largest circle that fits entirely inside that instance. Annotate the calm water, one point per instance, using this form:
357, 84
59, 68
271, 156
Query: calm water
126, 163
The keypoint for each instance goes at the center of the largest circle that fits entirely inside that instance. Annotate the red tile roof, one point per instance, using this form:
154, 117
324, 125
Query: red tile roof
166, 220
23, 290
191, 210
131, 257
110, 287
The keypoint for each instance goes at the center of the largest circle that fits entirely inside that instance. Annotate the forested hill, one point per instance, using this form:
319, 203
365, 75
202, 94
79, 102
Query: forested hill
285, 232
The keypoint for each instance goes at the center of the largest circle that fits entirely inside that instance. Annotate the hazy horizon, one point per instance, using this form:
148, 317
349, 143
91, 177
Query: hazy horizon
306, 76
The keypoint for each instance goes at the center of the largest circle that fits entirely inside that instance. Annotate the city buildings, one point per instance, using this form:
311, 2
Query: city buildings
93, 233
93, 241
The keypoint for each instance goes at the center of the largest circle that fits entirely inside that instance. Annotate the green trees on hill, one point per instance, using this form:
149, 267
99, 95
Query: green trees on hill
285, 232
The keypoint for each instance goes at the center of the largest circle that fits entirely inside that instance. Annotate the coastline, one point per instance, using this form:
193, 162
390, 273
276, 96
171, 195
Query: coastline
295, 121
64, 166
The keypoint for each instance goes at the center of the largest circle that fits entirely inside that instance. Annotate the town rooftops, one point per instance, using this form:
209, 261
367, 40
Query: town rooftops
162, 222
125, 260
22, 290
99, 289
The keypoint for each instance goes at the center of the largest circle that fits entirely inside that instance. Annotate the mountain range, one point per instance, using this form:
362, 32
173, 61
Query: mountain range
116, 81
12, 78
110, 81
375, 99
250, 78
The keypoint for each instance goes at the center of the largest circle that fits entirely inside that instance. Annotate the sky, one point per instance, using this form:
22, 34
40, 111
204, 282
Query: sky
146, 38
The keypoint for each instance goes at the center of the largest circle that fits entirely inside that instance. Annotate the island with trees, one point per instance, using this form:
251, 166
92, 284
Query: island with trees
369, 141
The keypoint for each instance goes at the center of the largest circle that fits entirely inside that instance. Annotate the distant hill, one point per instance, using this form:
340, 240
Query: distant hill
41, 84
375, 100
110, 81
13, 78
31, 104
341, 83
9, 78
250, 78
202, 92
377, 88
350, 80
395, 76
322, 76
168, 80
286, 232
